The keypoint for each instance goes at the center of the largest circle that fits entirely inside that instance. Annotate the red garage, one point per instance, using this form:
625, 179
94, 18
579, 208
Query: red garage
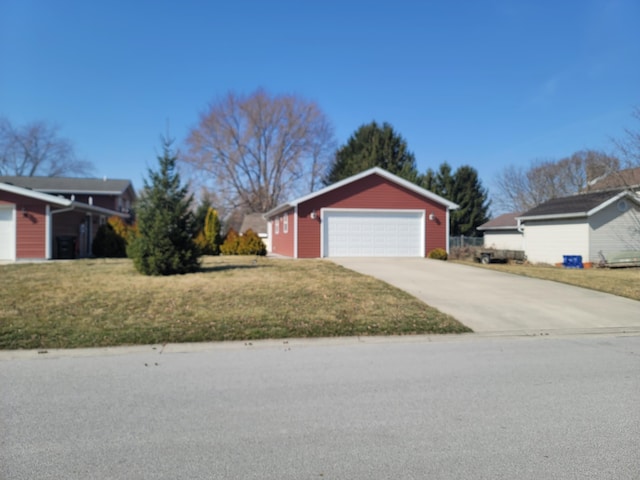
371, 214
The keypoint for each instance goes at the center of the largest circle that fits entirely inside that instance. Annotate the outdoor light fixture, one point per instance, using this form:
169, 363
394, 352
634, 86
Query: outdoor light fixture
432, 216
313, 215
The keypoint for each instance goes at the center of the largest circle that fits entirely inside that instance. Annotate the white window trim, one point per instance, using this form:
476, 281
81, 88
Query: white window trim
285, 224
277, 225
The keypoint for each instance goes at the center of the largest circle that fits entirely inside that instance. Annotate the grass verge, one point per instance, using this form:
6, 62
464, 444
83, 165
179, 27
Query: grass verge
624, 282
91, 303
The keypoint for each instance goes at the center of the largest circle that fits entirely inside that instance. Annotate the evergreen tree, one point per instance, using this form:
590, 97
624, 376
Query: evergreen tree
464, 188
440, 182
201, 213
164, 244
212, 229
370, 146
473, 200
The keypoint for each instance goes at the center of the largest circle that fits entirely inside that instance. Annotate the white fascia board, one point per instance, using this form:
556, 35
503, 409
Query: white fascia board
45, 197
553, 216
278, 210
94, 209
631, 196
510, 227
81, 192
375, 170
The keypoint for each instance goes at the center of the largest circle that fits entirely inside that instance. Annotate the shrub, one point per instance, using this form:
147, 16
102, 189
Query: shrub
248, 243
108, 243
251, 244
201, 241
463, 253
212, 232
438, 254
230, 244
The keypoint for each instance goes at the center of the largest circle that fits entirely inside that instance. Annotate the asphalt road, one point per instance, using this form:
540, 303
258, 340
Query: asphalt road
489, 302
411, 407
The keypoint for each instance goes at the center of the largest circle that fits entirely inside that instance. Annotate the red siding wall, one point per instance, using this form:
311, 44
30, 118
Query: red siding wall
373, 192
283, 243
30, 225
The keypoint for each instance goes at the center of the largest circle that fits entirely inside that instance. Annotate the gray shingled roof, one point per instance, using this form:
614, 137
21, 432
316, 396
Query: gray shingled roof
69, 185
255, 222
506, 221
576, 204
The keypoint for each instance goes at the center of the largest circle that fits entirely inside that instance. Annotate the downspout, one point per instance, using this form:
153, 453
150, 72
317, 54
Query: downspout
448, 229
520, 229
295, 232
47, 232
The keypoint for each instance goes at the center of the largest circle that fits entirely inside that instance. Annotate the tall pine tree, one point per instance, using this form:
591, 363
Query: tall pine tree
373, 145
473, 200
164, 245
464, 188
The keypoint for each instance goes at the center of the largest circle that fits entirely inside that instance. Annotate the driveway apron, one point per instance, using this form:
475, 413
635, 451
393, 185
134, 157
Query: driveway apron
490, 302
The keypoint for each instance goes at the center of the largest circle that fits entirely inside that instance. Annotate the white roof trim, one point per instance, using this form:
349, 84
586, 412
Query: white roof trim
81, 192
593, 211
554, 216
504, 227
604, 205
375, 170
26, 192
60, 201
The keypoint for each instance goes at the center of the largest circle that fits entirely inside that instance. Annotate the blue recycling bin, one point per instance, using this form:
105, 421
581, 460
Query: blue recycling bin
572, 261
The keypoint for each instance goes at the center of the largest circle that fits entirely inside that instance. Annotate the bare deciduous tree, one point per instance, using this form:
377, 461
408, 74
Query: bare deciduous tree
629, 144
258, 149
519, 189
36, 149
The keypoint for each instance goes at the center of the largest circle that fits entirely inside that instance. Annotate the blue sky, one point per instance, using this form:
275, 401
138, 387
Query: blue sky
486, 83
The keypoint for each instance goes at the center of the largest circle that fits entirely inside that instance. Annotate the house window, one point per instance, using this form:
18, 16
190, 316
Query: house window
276, 222
103, 219
285, 224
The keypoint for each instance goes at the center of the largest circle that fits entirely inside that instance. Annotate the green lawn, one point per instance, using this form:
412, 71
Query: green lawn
86, 303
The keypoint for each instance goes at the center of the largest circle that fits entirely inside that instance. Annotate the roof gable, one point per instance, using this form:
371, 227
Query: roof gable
582, 205
372, 171
96, 186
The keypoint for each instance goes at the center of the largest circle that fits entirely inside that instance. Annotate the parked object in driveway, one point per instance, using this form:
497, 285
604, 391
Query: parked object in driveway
489, 255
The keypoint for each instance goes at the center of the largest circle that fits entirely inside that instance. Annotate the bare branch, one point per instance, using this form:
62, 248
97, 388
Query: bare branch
256, 150
36, 149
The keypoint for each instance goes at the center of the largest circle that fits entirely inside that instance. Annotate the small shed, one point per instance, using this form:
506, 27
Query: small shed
371, 214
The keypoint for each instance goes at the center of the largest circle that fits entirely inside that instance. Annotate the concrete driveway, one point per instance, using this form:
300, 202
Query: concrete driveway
491, 302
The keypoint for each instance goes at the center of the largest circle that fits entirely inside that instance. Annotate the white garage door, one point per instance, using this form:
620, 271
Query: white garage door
380, 233
7, 234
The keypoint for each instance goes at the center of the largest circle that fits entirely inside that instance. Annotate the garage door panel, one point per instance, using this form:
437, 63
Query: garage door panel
375, 233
